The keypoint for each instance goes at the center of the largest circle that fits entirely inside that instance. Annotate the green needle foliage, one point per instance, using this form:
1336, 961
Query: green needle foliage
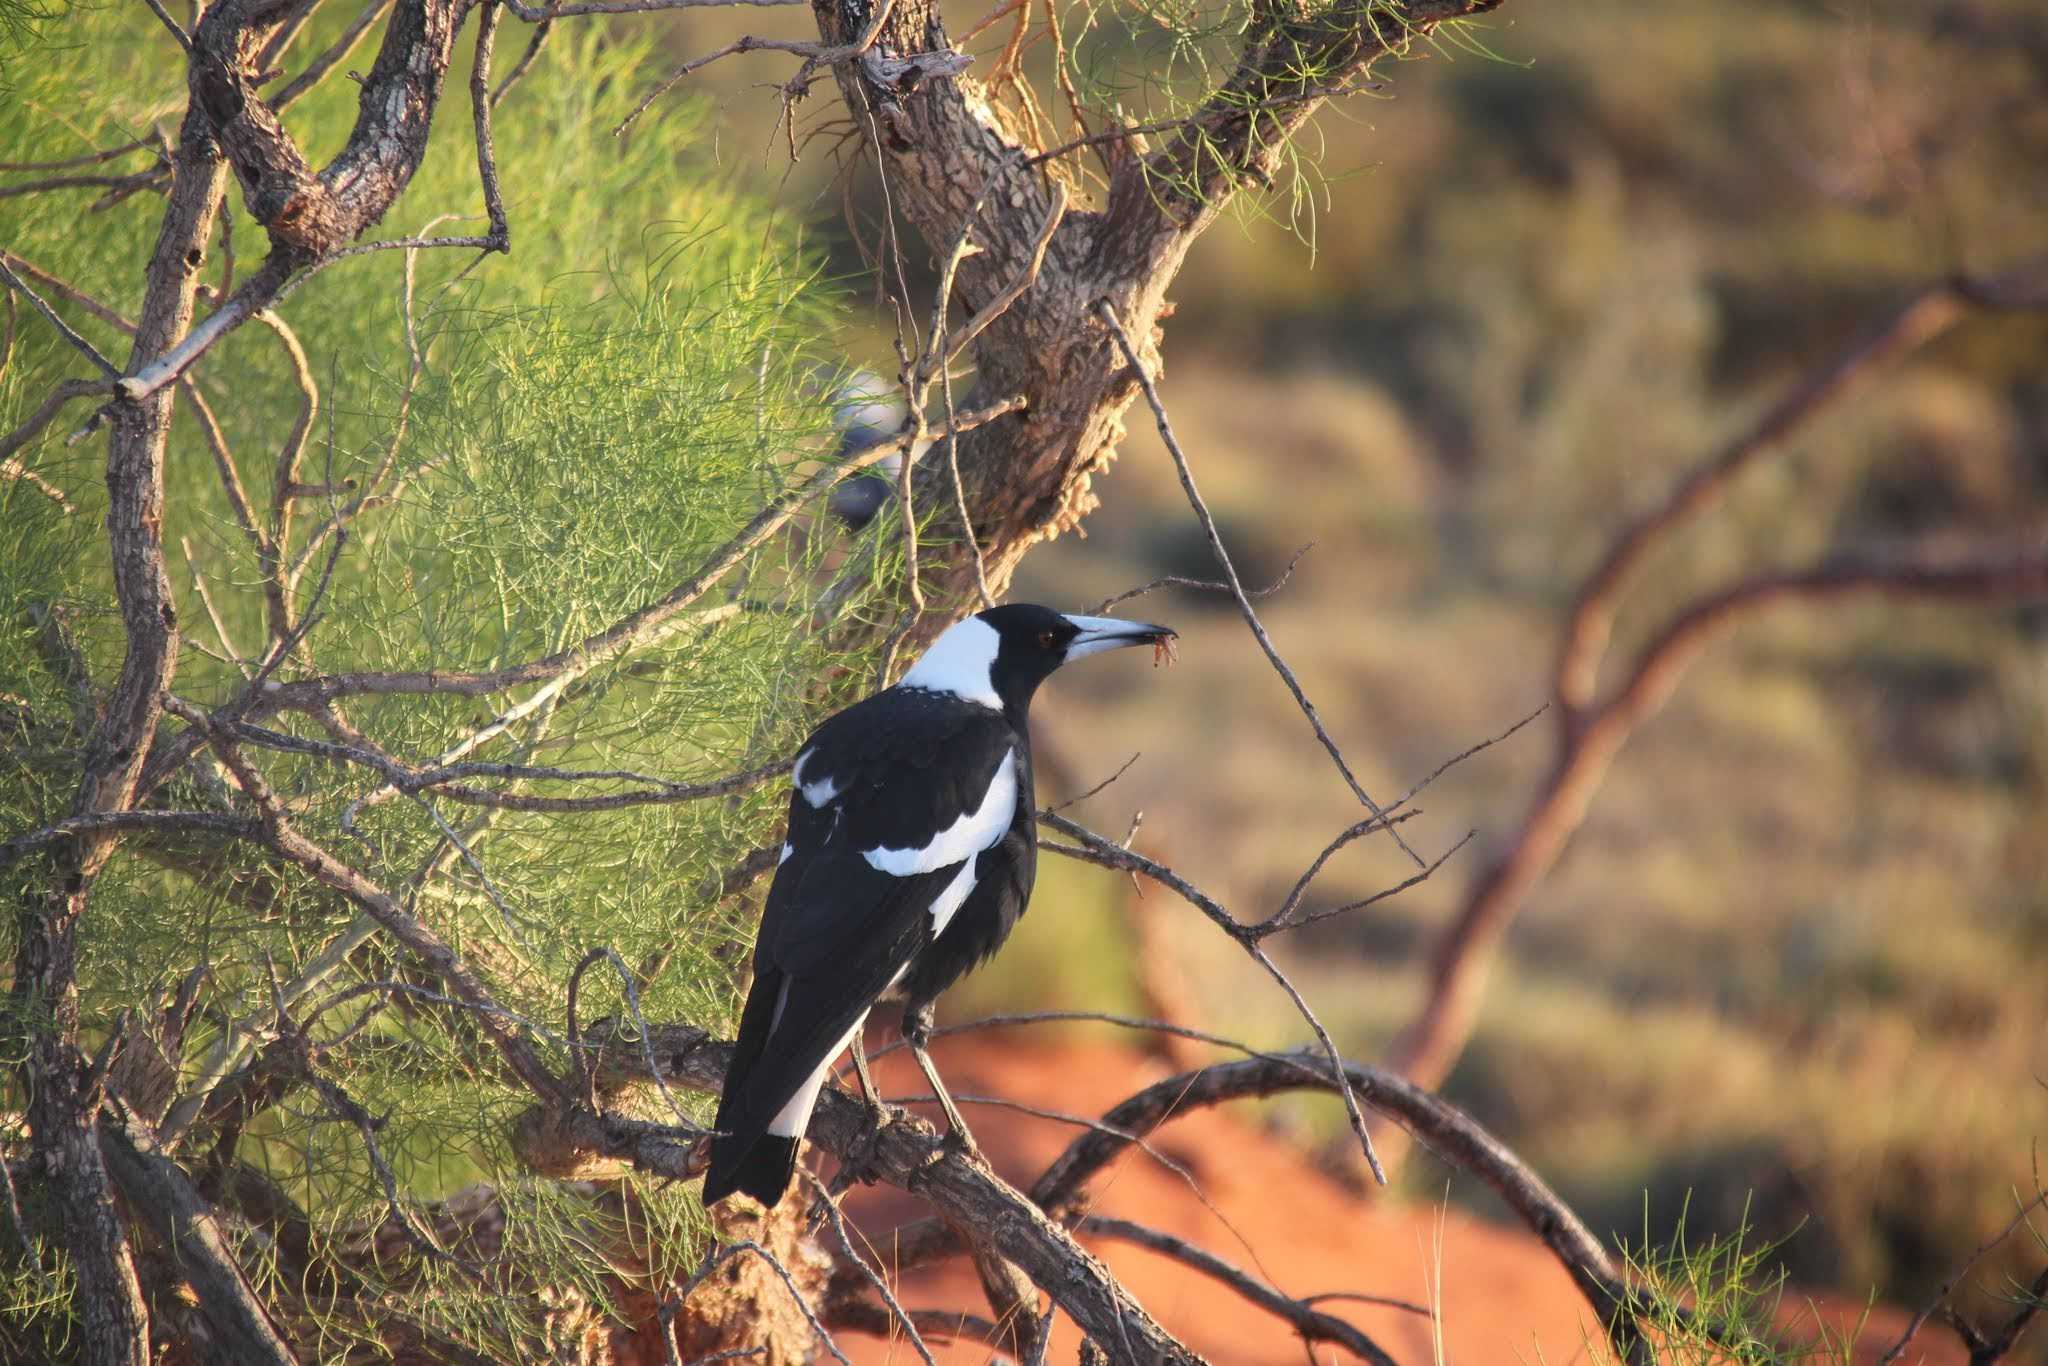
552, 440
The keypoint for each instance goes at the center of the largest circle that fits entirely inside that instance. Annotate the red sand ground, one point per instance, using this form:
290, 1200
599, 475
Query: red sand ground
1503, 1297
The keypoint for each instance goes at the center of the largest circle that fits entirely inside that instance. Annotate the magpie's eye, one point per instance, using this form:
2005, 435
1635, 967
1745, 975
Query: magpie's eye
1046, 640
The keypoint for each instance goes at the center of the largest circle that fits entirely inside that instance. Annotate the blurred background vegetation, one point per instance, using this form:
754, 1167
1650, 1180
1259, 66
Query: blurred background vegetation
1793, 964
1794, 961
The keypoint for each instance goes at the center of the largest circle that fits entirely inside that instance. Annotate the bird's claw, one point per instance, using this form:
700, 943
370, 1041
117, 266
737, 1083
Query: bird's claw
861, 1163
958, 1142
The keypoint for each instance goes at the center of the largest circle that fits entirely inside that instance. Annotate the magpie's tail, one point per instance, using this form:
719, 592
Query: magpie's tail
761, 1169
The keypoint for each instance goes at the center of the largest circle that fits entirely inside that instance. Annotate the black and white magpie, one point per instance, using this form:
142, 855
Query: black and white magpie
909, 858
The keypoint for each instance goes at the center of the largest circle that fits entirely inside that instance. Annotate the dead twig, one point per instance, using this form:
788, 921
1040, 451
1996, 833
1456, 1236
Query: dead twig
1304, 1318
481, 101
64, 329
823, 1200
1948, 1287
1202, 585
1104, 311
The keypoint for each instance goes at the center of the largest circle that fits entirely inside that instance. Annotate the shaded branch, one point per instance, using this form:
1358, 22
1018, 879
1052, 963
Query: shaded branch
158, 1189
907, 1153
1305, 1319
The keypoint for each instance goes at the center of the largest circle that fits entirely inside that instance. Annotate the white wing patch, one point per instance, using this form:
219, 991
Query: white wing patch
958, 662
955, 895
973, 832
816, 793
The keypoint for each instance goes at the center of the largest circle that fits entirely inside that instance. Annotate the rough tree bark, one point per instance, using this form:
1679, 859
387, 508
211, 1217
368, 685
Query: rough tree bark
62, 1083
945, 147
62, 1087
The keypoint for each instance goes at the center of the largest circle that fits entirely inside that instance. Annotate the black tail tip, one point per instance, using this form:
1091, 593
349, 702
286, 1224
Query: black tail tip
762, 1169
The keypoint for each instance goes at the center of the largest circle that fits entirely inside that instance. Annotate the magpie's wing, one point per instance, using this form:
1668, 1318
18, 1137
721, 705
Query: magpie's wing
894, 801
795, 1022
887, 794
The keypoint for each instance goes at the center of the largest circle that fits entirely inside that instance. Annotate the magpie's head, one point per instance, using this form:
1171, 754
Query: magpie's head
999, 657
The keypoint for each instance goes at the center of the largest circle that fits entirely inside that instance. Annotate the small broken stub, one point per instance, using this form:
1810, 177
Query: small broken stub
1164, 651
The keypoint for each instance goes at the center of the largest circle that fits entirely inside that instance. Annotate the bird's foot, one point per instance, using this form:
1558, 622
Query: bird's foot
861, 1161
959, 1142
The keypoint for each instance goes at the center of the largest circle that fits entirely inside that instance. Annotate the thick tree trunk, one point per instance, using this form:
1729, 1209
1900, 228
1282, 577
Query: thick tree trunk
60, 1079
945, 148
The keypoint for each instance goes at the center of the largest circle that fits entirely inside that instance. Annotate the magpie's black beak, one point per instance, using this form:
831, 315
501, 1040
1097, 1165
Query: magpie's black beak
1111, 633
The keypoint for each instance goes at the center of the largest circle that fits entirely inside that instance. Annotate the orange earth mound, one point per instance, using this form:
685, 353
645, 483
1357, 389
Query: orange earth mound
1501, 1297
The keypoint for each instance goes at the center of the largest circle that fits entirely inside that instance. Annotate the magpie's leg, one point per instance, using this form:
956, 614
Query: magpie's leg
868, 1091
859, 1164
917, 1032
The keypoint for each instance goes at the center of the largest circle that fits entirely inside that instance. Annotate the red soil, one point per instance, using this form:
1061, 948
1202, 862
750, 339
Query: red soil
1503, 1297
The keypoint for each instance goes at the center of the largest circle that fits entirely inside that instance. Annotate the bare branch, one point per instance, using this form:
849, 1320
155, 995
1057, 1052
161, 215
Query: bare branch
481, 100
64, 289
435, 955
1426, 1049
525, 62
541, 13
49, 408
42, 306
158, 1189
907, 1153
1203, 585
1313, 1325
86, 159
1104, 311
1288, 60
1281, 922
1922, 318
13, 468
94, 822
824, 1200
1948, 1287
177, 29
316, 70
958, 341
1446, 1130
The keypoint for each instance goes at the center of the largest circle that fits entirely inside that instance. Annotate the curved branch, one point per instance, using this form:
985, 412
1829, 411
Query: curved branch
1313, 1325
1454, 1136
1908, 328
308, 215
1431, 1043
908, 1153
1291, 60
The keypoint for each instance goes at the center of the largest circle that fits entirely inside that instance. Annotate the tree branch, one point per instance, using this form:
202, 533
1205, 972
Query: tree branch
1313, 1325
158, 1189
